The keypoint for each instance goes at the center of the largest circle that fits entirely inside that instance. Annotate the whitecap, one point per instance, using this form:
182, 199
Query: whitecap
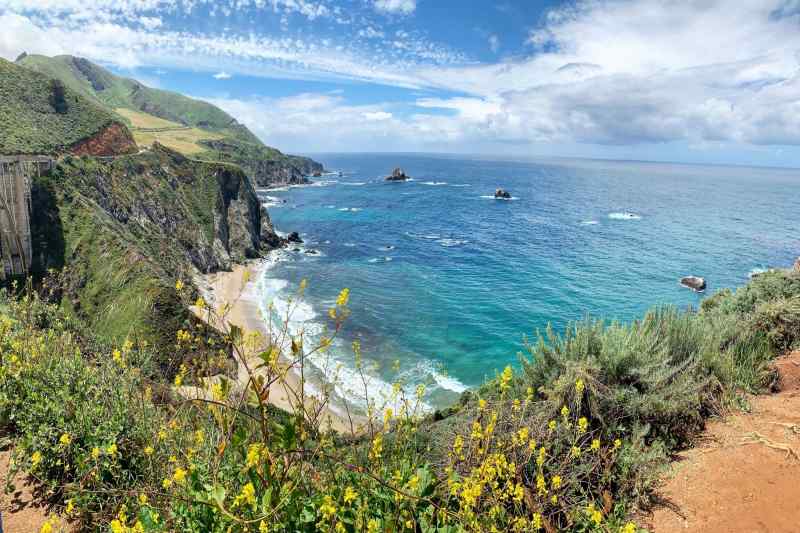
330, 207
428, 237
379, 260
351, 209
434, 183
386, 248
350, 244
756, 271
624, 216
590, 222
449, 243
460, 185
354, 183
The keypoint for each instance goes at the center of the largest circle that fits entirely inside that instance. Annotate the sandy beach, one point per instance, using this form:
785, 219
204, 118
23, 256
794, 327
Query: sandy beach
232, 293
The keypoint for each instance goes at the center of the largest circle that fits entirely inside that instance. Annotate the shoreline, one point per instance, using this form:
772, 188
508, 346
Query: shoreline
235, 289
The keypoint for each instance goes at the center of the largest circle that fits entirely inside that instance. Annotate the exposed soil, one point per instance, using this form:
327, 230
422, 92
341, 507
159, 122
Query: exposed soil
114, 139
744, 476
23, 510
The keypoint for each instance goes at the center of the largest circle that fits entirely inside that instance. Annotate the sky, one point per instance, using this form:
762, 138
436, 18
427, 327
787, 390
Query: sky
714, 81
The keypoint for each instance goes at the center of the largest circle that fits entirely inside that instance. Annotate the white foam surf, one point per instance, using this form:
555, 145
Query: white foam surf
624, 215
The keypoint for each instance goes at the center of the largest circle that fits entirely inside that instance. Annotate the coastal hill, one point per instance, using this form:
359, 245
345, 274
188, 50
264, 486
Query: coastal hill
39, 115
192, 127
119, 230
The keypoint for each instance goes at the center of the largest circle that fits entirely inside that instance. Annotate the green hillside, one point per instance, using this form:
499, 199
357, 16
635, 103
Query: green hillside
43, 115
114, 91
200, 129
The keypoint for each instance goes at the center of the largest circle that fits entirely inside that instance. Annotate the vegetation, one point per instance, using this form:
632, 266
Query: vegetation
148, 129
41, 115
112, 91
191, 127
572, 441
126, 229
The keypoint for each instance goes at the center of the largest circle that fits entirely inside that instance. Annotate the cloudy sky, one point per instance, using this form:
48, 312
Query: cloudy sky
682, 80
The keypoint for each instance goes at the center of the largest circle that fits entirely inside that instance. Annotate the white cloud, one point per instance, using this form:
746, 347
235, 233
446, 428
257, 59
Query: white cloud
377, 115
403, 7
700, 72
222, 76
494, 43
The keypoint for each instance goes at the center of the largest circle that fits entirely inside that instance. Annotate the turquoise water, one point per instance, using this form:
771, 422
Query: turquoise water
447, 280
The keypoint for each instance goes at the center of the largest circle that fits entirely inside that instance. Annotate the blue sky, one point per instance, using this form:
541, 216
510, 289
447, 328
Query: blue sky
692, 81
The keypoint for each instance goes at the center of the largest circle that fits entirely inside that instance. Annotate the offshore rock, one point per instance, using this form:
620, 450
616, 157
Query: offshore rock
502, 194
294, 237
695, 283
397, 175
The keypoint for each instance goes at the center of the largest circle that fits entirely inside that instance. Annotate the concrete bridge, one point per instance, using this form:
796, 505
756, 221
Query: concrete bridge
16, 177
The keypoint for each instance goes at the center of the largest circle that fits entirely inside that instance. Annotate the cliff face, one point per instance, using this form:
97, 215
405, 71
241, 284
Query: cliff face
114, 139
125, 230
266, 167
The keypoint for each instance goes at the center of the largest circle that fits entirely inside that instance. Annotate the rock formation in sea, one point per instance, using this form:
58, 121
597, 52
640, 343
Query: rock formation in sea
695, 283
294, 237
502, 194
397, 174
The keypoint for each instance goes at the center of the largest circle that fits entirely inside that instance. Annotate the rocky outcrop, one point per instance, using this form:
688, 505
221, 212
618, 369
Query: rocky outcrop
797, 265
398, 174
114, 139
265, 166
294, 237
502, 194
695, 283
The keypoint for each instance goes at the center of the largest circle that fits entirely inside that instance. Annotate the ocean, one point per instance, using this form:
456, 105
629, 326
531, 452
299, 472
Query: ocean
446, 282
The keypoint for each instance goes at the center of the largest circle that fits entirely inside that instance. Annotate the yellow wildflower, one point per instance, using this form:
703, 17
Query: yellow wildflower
597, 517
70, 507
65, 439
349, 495
327, 508
143, 499
575, 452
117, 526
579, 386
630, 527
617, 443
551, 426
200, 303
166, 483
116, 355
36, 458
377, 446
555, 482
248, 495
149, 450
179, 285
595, 445
505, 378
179, 476
373, 526
112, 450
564, 412
343, 297
583, 424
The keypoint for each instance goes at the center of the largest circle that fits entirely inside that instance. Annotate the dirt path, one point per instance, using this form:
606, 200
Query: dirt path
22, 512
745, 475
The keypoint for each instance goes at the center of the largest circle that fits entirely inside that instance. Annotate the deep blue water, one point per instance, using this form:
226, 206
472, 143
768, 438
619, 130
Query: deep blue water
468, 275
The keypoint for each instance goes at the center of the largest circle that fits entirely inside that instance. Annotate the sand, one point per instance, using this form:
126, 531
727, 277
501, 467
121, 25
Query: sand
236, 289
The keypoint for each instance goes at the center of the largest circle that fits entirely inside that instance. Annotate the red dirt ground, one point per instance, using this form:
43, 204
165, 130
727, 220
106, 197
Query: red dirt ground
744, 476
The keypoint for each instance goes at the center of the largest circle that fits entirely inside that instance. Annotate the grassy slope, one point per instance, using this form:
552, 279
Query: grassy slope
148, 129
34, 120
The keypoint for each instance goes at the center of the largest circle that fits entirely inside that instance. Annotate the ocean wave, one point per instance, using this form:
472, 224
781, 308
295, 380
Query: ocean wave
331, 368
330, 207
434, 183
429, 372
351, 209
427, 237
350, 244
379, 260
461, 185
590, 222
756, 271
386, 248
354, 183
449, 243
624, 216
